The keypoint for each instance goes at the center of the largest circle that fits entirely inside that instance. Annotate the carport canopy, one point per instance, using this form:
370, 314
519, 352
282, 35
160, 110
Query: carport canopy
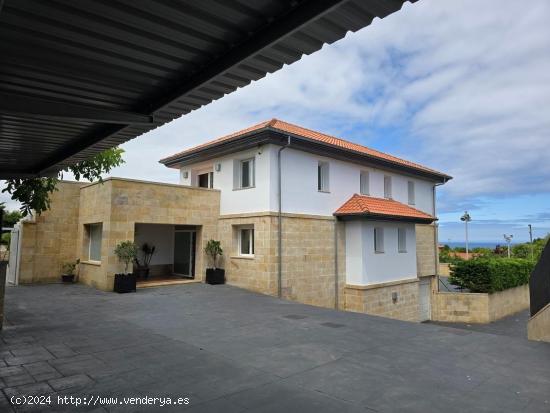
80, 77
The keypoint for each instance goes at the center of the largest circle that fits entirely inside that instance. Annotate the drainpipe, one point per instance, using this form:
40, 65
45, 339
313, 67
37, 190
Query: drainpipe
335, 263
436, 236
280, 219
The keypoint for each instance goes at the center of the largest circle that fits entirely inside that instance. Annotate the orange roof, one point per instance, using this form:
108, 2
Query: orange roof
285, 127
366, 205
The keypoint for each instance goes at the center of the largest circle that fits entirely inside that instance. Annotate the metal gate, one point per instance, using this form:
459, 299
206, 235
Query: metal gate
424, 299
13, 264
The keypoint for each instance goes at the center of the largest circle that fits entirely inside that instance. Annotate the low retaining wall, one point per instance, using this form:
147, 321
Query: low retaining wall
538, 327
444, 269
479, 307
377, 299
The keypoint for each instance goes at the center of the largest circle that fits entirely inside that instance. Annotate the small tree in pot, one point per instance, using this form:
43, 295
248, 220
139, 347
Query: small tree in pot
141, 268
67, 271
214, 275
126, 251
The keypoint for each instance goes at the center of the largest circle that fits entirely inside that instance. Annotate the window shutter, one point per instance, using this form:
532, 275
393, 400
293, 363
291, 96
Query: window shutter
387, 186
236, 174
379, 239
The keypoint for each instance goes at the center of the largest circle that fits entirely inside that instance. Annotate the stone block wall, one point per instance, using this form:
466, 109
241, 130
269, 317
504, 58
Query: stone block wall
538, 326
426, 249
49, 240
444, 269
377, 299
308, 257
479, 307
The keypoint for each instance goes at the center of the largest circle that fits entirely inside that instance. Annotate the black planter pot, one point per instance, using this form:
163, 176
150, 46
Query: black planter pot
215, 276
142, 272
125, 283
67, 278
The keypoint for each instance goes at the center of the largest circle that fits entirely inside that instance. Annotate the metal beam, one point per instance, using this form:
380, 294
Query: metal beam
30, 107
277, 30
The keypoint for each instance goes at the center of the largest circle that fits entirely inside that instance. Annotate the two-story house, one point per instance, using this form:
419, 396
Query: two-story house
300, 214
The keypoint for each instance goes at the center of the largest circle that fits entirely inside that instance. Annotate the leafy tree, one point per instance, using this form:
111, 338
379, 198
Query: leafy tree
126, 251
34, 193
11, 218
214, 250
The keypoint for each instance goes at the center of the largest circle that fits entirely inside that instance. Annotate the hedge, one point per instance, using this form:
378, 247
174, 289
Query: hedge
487, 275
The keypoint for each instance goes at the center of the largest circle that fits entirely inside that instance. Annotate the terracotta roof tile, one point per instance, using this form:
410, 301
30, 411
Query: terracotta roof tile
285, 127
366, 205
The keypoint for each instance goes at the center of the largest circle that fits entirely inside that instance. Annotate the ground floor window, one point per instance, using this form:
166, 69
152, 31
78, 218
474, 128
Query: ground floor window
246, 241
95, 232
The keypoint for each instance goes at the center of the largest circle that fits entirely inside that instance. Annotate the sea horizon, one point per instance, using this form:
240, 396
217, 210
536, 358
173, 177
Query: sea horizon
475, 244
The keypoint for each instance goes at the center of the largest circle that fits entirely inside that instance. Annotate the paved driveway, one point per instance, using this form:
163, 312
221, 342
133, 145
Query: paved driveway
229, 350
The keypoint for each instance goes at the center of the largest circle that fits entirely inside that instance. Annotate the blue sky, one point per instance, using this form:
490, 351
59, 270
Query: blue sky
462, 86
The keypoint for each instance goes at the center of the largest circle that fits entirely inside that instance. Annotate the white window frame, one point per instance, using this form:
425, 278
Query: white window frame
387, 187
89, 228
378, 238
364, 183
402, 240
251, 173
411, 196
323, 176
210, 183
251, 240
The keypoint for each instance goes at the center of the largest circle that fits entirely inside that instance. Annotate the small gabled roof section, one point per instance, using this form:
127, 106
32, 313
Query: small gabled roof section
379, 208
329, 142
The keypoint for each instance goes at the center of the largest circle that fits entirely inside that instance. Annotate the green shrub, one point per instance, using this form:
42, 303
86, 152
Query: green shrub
487, 275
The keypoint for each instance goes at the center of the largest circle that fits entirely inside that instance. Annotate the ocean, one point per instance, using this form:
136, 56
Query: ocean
472, 245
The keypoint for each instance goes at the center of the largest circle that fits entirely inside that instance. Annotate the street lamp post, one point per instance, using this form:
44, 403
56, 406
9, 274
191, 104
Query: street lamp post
508, 239
466, 218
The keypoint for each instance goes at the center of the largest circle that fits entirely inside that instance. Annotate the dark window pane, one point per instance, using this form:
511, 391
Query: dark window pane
245, 174
203, 180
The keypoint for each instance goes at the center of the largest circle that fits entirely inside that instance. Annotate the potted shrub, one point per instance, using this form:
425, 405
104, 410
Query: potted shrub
141, 268
126, 251
67, 271
214, 275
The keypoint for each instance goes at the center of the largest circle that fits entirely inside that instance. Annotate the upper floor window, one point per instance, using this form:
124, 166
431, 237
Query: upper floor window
246, 173
387, 187
410, 189
95, 233
322, 177
379, 240
206, 180
364, 183
401, 239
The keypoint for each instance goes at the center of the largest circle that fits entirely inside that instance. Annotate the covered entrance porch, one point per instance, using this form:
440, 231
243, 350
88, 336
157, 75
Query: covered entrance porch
167, 252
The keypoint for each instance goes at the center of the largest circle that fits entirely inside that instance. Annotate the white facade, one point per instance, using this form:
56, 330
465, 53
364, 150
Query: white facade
299, 182
365, 266
301, 195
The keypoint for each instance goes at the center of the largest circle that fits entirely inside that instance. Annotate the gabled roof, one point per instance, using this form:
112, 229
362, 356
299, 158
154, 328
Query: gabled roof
362, 205
283, 127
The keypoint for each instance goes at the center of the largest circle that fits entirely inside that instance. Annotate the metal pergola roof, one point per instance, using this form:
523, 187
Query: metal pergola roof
77, 77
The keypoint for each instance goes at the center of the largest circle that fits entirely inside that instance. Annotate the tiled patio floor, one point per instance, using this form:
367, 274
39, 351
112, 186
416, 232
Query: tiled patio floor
230, 350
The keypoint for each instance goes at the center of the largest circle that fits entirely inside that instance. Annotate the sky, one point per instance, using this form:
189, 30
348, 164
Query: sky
462, 86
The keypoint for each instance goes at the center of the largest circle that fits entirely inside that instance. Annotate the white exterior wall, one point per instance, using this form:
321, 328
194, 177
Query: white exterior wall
299, 181
300, 194
238, 201
364, 266
161, 236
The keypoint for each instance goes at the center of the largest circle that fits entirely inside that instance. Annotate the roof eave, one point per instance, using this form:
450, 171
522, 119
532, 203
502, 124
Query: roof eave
383, 217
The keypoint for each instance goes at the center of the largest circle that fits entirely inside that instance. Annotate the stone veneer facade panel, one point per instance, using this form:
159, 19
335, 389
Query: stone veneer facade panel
377, 299
426, 250
538, 326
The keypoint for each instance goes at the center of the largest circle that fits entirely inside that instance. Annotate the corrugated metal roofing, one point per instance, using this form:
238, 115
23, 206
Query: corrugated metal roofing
80, 77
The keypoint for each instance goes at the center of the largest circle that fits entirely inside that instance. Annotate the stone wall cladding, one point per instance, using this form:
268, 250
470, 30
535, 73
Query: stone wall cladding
538, 326
120, 203
308, 257
377, 299
479, 307
50, 239
425, 249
